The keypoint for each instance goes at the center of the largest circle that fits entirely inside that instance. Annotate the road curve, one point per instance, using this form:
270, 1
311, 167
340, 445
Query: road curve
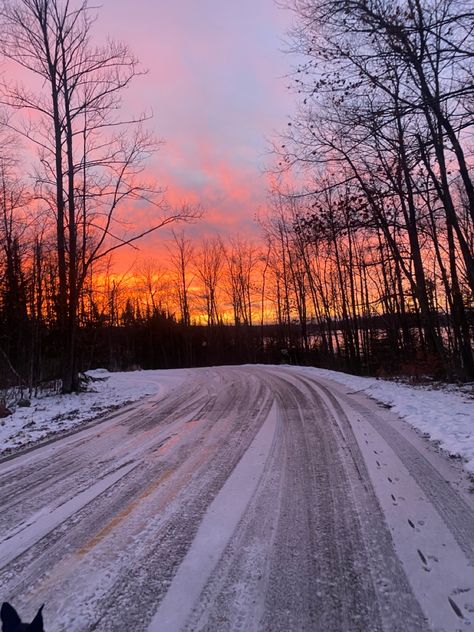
248, 499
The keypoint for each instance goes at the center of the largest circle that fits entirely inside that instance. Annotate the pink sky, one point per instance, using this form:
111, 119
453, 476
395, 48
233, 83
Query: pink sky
217, 90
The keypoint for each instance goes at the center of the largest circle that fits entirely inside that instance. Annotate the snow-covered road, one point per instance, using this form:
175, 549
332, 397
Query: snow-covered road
247, 499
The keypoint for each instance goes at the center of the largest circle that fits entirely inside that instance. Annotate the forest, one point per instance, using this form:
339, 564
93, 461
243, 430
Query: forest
363, 261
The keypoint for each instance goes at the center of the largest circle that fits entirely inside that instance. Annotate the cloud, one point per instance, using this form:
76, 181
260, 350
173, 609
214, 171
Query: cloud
216, 88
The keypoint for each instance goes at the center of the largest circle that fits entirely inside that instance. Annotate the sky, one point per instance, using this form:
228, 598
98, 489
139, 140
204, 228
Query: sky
217, 87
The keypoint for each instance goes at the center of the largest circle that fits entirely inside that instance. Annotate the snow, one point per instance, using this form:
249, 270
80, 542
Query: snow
417, 527
121, 539
444, 415
48, 518
215, 531
53, 413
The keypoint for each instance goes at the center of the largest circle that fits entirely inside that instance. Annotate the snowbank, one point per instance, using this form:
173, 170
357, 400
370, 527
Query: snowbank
445, 415
48, 415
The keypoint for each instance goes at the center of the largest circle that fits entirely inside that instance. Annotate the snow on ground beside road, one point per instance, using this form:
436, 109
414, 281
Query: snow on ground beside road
445, 415
50, 414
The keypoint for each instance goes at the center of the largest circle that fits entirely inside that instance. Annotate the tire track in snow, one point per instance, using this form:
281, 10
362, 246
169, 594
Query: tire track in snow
433, 550
456, 513
297, 560
214, 532
311, 550
14, 544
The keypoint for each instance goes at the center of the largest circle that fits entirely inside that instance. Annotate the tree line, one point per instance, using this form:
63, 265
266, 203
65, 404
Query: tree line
383, 224
87, 159
364, 262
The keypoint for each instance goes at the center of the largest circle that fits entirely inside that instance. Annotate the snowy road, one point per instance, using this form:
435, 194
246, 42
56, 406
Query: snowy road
247, 499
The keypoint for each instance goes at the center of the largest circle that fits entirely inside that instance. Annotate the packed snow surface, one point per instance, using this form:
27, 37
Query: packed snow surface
247, 498
52, 413
443, 414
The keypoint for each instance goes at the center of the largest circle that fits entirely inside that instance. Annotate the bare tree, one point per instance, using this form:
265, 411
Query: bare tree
209, 265
386, 106
181, 256
90, 161
242, 258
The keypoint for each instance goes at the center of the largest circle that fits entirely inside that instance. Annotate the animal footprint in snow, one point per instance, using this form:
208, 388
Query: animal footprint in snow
424, 560
456, 608
422, 557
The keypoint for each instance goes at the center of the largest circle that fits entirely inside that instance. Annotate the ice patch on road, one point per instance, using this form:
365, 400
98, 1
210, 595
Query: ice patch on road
51, 414
443, 416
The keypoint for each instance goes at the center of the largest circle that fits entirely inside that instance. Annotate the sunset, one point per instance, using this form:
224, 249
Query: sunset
217, 87
236, 316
